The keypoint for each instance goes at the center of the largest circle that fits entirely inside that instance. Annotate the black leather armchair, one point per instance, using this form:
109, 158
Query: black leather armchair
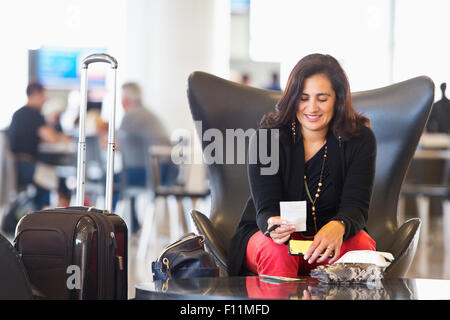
15, 284
398, 114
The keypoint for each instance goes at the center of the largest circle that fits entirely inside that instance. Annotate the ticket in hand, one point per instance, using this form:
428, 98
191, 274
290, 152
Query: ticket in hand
294, 212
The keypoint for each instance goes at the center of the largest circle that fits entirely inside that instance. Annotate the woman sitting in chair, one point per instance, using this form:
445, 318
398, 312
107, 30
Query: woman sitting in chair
327, 158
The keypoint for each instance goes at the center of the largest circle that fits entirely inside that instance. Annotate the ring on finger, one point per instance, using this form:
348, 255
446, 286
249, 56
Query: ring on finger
332, 251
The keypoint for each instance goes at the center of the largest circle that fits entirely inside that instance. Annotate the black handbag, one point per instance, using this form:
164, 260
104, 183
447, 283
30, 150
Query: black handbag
185, 258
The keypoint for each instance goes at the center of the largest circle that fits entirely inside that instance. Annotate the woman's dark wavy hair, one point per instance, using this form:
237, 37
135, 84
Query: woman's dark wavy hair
346, 123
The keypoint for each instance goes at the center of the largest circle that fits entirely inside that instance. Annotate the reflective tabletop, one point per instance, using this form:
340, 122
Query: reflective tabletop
307, 288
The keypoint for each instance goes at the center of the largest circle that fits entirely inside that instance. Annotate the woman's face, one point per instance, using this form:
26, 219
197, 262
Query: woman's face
316, 107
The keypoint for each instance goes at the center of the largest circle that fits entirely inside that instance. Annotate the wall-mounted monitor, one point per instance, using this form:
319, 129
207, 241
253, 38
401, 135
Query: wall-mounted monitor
239, 6
59, 67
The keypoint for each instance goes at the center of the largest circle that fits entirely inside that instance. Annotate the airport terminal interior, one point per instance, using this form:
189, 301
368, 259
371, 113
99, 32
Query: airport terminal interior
157, 45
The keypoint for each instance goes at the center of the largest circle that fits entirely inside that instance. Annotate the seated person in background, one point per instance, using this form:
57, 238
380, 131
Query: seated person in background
327, 158
27, 129
140, 121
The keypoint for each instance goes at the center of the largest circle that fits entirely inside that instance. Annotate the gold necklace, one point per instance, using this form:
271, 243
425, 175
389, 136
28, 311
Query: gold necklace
319, 186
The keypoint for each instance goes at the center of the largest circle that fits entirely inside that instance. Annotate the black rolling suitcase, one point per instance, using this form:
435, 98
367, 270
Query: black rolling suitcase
78, 252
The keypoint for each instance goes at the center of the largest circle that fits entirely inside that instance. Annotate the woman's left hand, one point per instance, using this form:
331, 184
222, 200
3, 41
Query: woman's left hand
327, 241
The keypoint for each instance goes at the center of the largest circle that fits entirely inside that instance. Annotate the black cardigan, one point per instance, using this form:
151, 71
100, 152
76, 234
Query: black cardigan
352, 169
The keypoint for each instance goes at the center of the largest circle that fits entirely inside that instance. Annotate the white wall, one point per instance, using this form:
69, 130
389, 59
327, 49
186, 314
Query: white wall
260, 72
168, 40
357, 33
239, 37
422, 45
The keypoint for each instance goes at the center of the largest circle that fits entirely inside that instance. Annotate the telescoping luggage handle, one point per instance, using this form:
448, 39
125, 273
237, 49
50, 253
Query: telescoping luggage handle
81, 163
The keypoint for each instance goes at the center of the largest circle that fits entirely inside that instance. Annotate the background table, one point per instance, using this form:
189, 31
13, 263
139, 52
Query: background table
308, 288
58, 154
425, 192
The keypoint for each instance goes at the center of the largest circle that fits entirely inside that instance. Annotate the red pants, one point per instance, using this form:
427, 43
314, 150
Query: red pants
263, 256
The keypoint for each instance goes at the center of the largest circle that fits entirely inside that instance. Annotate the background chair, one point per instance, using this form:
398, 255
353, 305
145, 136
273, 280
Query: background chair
398, 114
134, 154
8, 183
15, 199
9, 192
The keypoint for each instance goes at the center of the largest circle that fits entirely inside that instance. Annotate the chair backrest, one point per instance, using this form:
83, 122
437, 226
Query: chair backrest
15, 284
8, 178
134, 150
223, 105
398, 114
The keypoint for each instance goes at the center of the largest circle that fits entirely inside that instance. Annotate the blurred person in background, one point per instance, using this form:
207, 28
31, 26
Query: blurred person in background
52, 112
245, 79
275, 82
93, 117
439, 121
27, 129
140, 121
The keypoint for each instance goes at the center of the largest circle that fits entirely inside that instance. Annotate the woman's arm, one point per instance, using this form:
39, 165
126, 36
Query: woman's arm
354, 205
357, 190
266, 189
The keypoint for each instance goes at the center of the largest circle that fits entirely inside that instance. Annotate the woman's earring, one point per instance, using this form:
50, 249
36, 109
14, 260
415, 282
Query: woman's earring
293, 130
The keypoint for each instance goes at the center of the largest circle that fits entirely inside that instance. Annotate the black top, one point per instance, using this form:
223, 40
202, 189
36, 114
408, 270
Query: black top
351, 166
326, 203
439, 120
23, 131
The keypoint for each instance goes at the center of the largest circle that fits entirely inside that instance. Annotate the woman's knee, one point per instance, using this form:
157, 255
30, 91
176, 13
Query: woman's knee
273, 253
271, 258
360, 241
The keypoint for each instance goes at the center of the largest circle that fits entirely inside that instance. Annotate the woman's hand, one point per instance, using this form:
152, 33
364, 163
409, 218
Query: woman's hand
281, 234
307, 294
327, 241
